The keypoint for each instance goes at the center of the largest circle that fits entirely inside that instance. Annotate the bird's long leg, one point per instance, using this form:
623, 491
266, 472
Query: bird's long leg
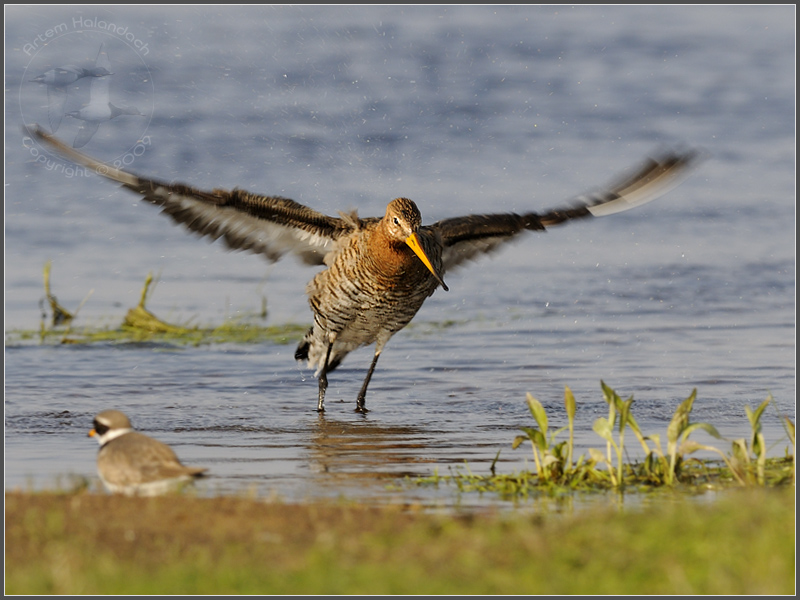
361, 400
323, 380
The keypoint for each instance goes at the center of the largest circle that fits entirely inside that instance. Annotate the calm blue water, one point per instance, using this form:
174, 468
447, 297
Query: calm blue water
463, 109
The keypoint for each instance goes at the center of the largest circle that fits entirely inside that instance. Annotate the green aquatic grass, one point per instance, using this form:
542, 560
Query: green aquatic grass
746, 464
698, 476
139, 325
239, 331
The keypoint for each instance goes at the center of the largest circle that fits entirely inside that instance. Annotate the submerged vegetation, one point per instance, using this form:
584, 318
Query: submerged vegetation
140, 325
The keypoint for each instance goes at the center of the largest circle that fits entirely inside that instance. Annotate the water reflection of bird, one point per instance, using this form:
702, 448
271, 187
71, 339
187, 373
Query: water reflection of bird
379, 270
58, 81
132, 463
342, 452
100, 109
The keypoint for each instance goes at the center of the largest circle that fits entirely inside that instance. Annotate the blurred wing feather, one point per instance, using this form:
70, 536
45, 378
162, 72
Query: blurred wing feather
267, 225
465, 238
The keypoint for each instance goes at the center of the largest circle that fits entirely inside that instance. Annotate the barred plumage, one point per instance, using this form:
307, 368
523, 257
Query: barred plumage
379, 270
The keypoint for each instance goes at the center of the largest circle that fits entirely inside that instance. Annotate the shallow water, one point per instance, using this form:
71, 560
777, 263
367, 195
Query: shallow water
463, 109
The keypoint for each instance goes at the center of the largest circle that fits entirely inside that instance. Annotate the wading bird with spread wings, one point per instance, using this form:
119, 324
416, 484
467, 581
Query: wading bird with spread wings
380, 270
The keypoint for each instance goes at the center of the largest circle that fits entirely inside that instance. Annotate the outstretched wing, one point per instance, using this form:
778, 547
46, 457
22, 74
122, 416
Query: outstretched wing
267, 225
467, 237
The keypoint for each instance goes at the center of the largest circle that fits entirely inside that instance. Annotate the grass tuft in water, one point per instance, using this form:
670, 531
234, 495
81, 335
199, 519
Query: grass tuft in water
746, 465
140, 320
140, 325
60, 315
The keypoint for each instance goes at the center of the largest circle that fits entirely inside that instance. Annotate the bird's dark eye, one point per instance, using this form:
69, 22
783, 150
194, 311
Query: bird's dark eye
100, 428
396, 221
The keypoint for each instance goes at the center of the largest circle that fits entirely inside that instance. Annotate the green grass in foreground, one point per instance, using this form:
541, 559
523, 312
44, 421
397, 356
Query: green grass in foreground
742, 543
